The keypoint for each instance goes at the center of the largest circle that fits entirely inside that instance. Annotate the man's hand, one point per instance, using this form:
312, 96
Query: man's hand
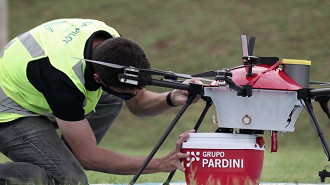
179, 97
173, 160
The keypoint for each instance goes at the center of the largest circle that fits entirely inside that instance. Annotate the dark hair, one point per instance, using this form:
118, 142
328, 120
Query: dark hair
120, 51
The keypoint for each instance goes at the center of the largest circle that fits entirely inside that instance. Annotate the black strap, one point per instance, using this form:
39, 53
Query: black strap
169, 101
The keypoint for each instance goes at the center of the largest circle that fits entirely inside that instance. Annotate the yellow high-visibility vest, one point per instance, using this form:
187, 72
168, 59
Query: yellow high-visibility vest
59, 40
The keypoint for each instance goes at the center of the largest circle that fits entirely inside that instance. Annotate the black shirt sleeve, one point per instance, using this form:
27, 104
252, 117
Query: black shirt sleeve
64, 98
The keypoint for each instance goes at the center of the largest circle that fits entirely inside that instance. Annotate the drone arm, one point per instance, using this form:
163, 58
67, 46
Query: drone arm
191, 88
307, 93
319, 92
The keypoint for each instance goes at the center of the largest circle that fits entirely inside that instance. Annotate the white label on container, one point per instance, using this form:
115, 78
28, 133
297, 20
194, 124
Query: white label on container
223, 163
214, 159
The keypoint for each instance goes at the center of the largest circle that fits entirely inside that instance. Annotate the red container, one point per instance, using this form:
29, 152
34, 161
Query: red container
223, 159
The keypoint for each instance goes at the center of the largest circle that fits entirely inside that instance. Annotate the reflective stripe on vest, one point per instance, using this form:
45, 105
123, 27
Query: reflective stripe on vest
77, 70
31, 45
9, 106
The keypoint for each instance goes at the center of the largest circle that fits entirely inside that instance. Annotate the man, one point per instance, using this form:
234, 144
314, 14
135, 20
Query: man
43, 87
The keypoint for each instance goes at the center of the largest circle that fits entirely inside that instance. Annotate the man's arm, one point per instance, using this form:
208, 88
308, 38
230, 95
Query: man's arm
82, 141
148, 103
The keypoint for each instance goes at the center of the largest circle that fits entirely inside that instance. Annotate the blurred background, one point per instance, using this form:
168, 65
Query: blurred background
193, 36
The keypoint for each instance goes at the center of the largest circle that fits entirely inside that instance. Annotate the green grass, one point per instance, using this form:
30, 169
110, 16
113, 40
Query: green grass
293, 164
190, 36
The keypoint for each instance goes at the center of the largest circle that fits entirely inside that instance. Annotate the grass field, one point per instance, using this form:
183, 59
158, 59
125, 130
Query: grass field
192, 36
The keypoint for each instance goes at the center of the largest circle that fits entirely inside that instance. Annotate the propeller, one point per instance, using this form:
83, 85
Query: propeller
319, 83
171, 75
116, 66
248, 59
206, 74
166, 74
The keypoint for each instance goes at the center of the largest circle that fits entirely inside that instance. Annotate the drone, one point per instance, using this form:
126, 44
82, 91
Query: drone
252, 82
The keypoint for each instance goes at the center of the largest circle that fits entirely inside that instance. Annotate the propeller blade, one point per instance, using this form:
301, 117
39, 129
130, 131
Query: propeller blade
244, 45
181, 75
154, 72
190, 77
206, 74
171, 74
252, 41
158, 72
116, 66
319, 83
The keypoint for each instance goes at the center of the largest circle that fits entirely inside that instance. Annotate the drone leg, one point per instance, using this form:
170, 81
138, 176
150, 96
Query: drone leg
207, 106
163, 138
317, 128
206, 109
324, 173
323, 101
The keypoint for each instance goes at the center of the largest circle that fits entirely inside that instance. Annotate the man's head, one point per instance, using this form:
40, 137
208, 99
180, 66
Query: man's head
120, 51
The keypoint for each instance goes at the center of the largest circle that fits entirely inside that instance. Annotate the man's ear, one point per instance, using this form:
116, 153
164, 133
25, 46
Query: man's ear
97, 78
